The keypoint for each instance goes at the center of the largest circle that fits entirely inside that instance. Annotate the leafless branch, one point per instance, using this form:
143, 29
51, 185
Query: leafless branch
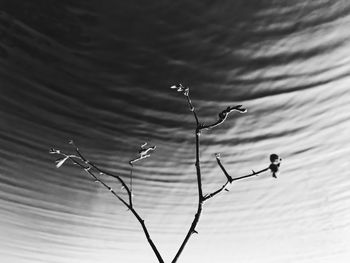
201, 199
145, 152
223, 116
230, 180
90, 167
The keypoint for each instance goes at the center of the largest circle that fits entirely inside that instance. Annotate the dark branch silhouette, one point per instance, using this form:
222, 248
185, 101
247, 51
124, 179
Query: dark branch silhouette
90, 168
95, 172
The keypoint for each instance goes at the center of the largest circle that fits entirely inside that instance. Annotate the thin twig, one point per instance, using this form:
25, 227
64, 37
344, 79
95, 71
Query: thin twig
125, 186
195, 221
222, 117
96, 179
143, 152
229, 178
90, 166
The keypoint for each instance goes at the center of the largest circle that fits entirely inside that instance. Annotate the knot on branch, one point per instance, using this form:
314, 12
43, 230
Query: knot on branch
275, 164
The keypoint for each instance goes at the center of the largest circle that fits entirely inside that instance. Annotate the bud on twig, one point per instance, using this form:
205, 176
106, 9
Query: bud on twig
61, 161
275, 164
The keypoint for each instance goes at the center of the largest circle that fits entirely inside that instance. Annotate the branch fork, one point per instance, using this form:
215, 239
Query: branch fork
145, 152
90, 168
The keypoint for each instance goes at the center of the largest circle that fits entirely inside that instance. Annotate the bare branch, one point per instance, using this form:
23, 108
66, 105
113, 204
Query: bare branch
195, 221
229, 178
186, 93
223, 116
208, 196
143, 152
103, 172
201, 199
96, 179
88, 167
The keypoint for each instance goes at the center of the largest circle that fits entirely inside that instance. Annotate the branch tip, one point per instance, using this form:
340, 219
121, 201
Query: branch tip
54, 151
60, 162
180, 88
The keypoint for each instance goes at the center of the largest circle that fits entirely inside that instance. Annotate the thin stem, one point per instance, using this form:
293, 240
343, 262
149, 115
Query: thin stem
125, 186
96, 179
230, 179
142, 222
208, 196
192, 229
195, 221
192, 108
251, 174
129, 206
223, 116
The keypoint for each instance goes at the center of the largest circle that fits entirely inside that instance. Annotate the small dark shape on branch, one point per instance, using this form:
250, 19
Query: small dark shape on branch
275, 164
97, 174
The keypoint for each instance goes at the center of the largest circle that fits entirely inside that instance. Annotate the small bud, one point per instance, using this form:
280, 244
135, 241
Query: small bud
177, 86
217, 155
53, 151
275, 164
61, 161
274, 158
187, 90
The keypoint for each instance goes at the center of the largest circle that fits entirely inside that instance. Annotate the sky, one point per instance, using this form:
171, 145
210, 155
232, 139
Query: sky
100, 72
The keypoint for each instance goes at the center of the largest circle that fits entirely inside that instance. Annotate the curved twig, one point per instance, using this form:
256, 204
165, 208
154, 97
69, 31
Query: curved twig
229, 178
89, 169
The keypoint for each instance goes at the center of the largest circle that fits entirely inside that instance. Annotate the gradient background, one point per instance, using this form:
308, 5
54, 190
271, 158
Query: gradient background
99, 72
